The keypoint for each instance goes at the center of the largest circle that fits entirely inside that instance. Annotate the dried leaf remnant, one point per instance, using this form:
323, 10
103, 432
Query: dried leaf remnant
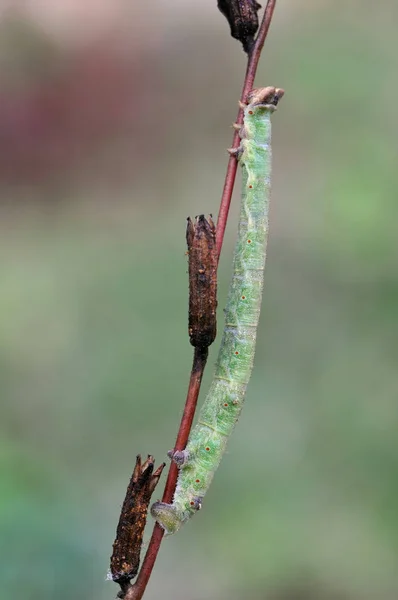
125, 559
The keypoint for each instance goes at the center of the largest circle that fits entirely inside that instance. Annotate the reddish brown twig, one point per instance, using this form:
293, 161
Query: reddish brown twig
136, 591
251, 70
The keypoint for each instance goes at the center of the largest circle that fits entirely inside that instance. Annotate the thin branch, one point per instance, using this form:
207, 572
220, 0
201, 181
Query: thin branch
136, 591
251, 70
199, 362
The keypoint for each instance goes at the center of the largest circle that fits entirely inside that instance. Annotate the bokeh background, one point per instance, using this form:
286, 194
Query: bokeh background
114, 123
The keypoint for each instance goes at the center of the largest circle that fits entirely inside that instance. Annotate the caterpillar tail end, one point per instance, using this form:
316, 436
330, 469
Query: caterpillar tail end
167, 517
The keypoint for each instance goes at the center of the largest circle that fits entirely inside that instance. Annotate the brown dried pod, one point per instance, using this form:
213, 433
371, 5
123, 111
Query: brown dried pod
202, 268
243, 20
125, 559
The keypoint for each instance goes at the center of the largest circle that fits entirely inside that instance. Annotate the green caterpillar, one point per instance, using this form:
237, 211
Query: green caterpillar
222, 407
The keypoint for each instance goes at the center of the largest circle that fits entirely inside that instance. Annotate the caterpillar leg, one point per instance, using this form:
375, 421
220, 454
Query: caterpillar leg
235, 152
180, 457
167, 517
171, 518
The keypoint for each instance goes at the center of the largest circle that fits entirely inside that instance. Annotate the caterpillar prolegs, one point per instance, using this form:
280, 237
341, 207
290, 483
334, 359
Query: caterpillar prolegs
223, 404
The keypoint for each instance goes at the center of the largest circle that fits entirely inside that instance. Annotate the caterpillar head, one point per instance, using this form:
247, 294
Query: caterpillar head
268, 96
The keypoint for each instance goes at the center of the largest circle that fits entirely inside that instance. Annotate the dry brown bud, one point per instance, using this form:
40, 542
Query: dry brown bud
125, 559
202, 261
243, 20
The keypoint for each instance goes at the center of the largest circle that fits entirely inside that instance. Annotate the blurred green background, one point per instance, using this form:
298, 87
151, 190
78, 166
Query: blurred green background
115, 118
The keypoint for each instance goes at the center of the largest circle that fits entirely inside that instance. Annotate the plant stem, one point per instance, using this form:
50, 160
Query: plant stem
136, 591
